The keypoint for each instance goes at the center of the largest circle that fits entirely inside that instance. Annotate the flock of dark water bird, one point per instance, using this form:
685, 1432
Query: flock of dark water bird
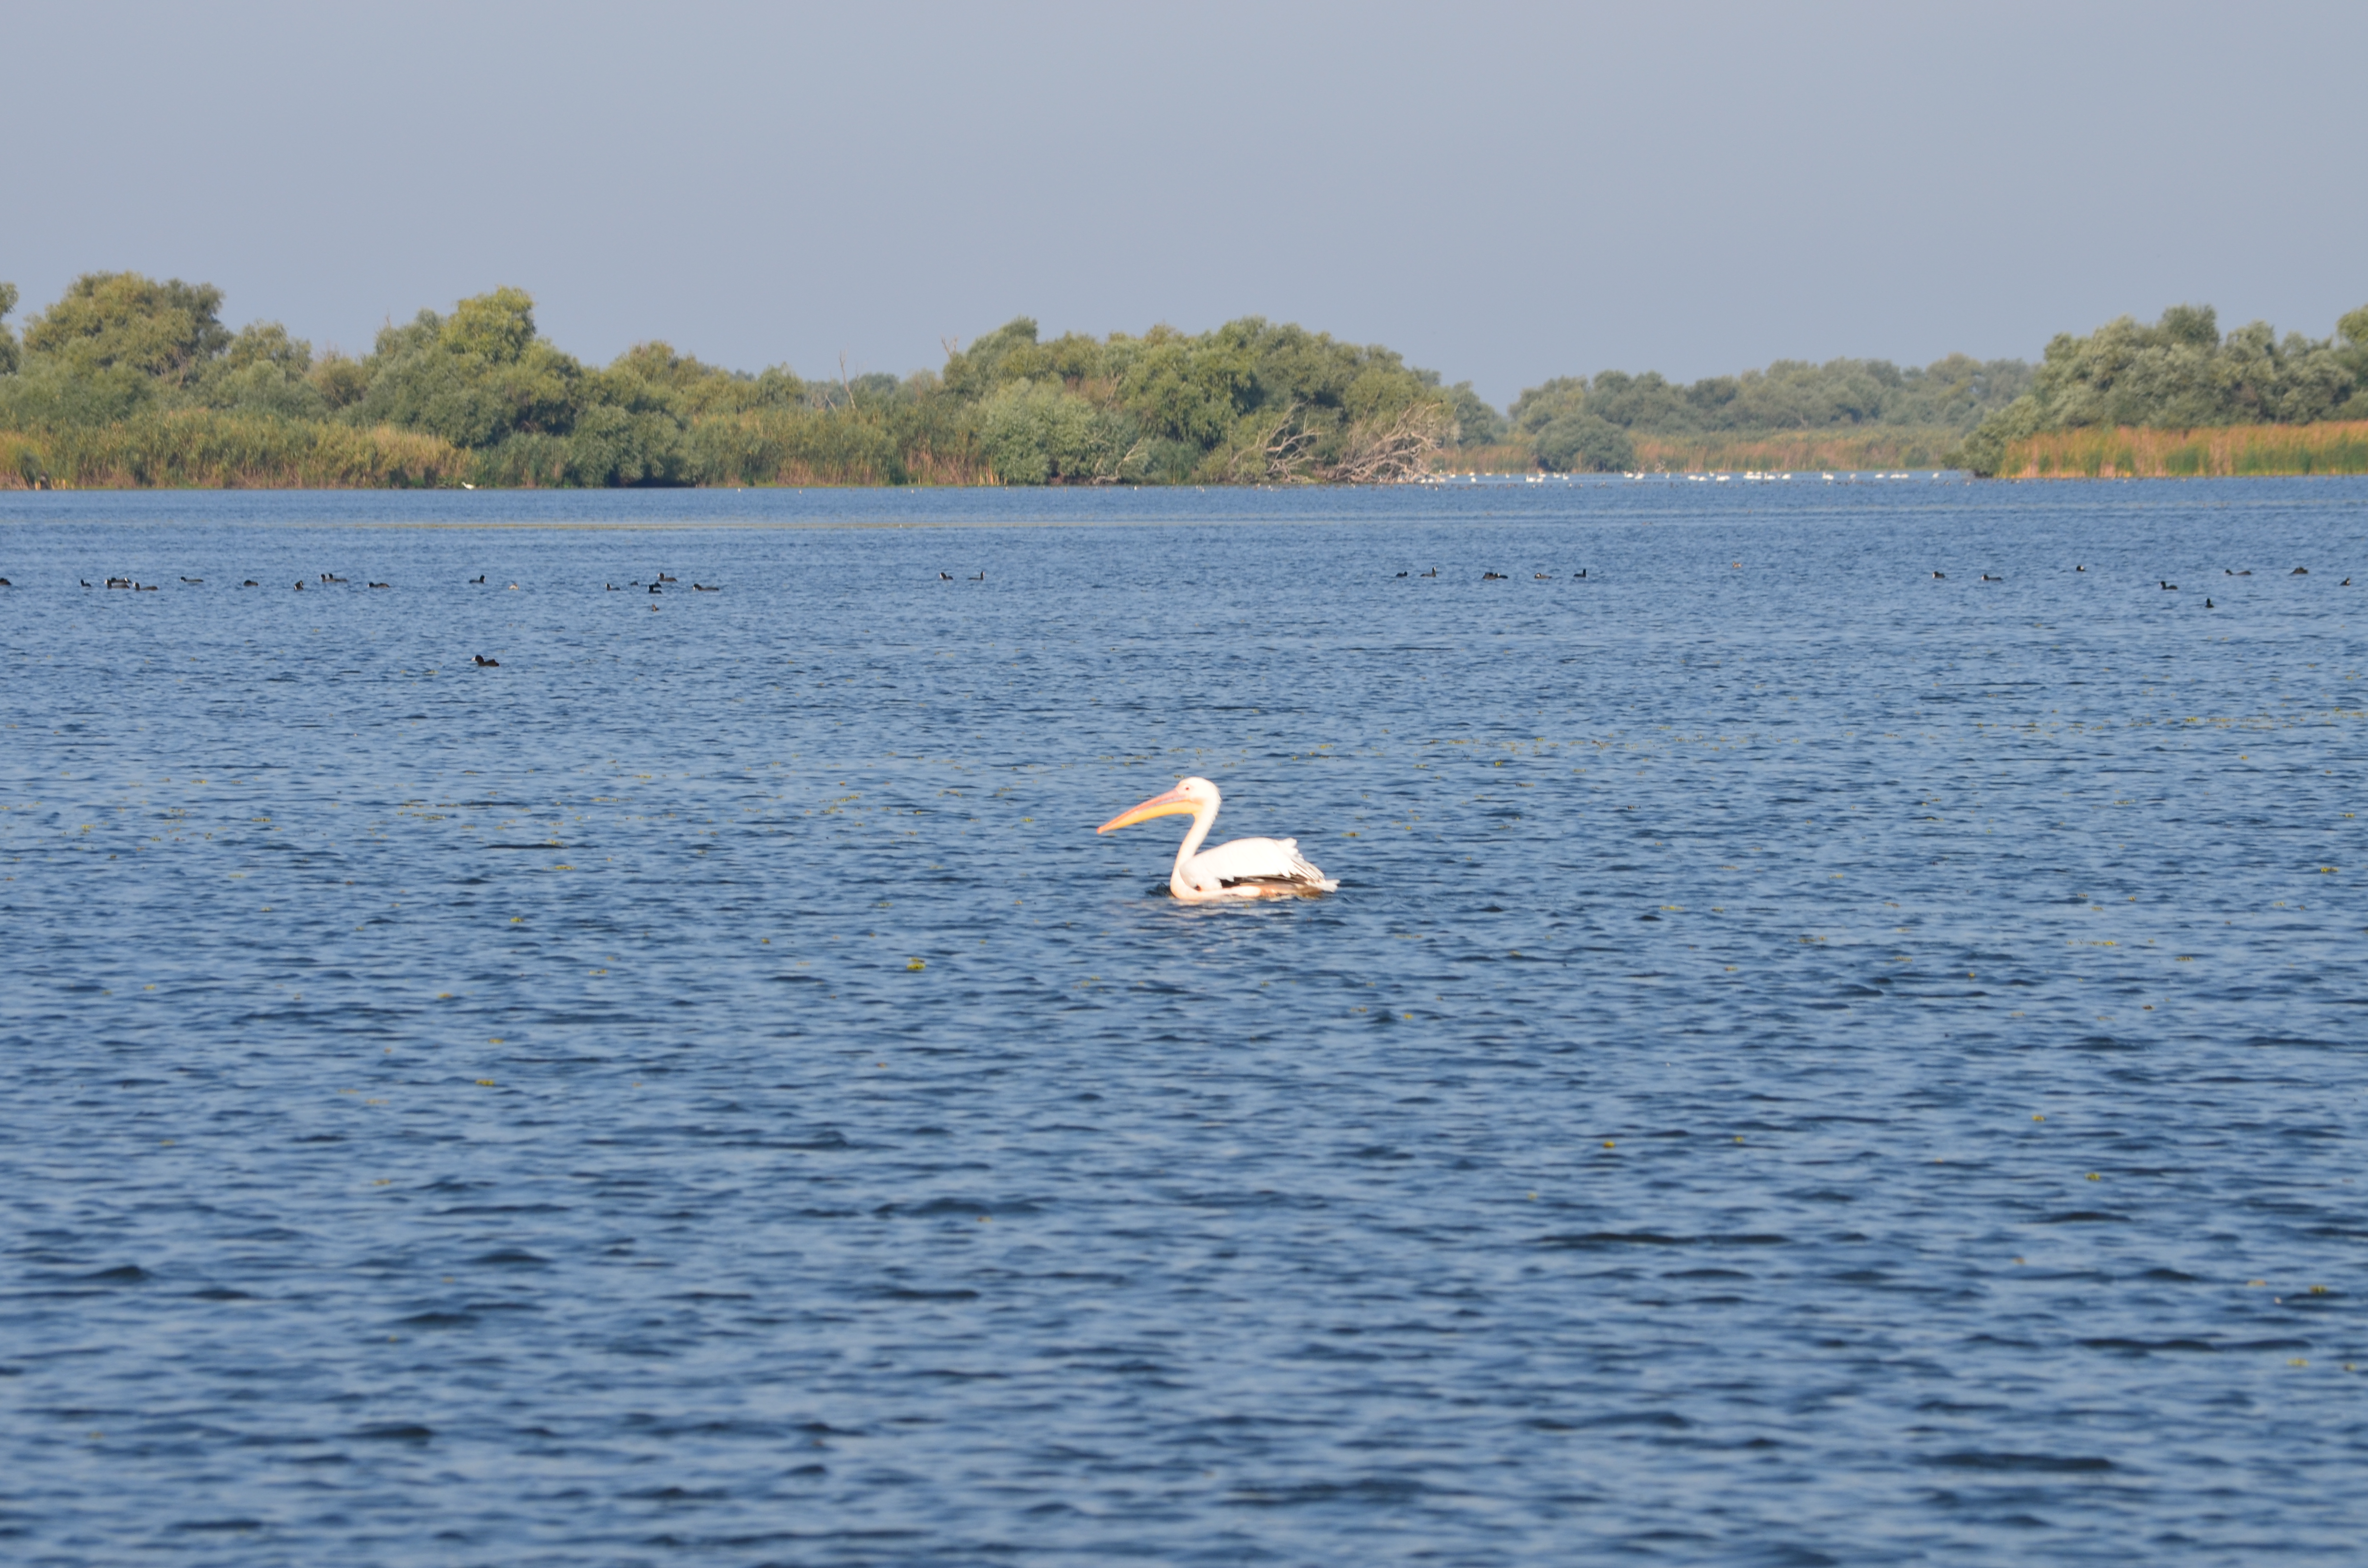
658, 580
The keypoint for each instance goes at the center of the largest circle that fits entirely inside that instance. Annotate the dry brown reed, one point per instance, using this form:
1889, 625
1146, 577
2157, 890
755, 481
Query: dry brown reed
2124, 452
203, 449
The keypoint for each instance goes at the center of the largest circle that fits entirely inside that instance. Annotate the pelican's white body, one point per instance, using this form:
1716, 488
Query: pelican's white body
1247, 867
1238, 869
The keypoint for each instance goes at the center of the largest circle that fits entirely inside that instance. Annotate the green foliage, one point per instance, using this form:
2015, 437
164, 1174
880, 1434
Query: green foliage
341, 380
119, 346
1033, 433
499, 327
48, 394
1476, 423
1584, 442
692, 388
1250, 401
263, 372
1185, 391
11, 355
1574, 422
974, 372
121, 321
475, 377
2181, 373
1790, 395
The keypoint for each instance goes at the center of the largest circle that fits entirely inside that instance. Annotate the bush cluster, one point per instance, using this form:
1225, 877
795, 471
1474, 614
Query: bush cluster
126, 379
2182, 374
122, 373
1575, 424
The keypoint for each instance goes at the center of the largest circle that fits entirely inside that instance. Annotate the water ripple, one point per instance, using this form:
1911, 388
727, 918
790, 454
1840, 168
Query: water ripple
1810, 1063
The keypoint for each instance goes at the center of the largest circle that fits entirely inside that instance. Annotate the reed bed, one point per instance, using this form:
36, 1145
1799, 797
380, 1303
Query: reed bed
202, 449
198, 448
1896, 447
799, 446
2221, 451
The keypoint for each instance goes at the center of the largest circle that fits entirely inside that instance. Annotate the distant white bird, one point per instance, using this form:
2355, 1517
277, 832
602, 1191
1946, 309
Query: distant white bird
1247, 867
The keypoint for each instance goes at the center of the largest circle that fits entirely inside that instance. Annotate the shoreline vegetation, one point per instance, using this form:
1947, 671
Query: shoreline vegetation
129, 382
1847, 451
2177, 398
2124, 452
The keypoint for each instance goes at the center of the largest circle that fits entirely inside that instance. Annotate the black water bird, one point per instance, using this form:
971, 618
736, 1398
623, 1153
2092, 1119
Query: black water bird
1539, 575
485, 664
331, 577
610, 586
381, 585
664, 578
2245, 572
1988, 578
1432, 573
980, 576
2168, 587
79, 580
1401, 574
2299, 572
1580, 575
2345, 584
193, 579
2209, 605
2079, 569
945, 576
703, 588
143, 587
300, 584
1941, 575
654, 588
1492, 576
250, 582
5, 584
478, 578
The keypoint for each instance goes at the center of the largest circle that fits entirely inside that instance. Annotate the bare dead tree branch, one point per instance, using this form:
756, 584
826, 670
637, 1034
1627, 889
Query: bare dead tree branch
1277, 454
1390, 449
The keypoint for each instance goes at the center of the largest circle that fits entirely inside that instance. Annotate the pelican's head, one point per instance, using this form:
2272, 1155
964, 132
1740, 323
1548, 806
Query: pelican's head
1190, 797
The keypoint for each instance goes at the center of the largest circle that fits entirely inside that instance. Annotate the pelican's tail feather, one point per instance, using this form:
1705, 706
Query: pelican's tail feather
1297, 877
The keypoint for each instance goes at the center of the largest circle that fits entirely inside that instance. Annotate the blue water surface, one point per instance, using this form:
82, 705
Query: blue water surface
1817, 1056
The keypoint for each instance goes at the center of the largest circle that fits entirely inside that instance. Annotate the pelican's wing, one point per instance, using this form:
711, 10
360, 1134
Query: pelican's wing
1273, 861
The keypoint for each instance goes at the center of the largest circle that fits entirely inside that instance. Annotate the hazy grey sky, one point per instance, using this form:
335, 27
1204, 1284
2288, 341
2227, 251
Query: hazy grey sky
1504, 192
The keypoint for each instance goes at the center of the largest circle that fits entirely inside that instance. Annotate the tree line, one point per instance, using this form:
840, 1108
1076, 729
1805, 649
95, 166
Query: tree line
129, 379
1573, 423
1250, 402
2181, 374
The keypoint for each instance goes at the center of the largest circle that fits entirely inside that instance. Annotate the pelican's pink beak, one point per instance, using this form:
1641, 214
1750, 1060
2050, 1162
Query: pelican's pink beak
1170, 803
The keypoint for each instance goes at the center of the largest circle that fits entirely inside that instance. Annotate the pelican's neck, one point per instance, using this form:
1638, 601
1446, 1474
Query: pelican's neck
1203, 818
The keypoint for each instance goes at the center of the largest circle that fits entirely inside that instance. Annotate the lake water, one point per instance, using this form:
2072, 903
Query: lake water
1810, 1061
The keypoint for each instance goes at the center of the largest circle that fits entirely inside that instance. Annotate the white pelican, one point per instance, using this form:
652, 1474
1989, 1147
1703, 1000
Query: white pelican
1247, 867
